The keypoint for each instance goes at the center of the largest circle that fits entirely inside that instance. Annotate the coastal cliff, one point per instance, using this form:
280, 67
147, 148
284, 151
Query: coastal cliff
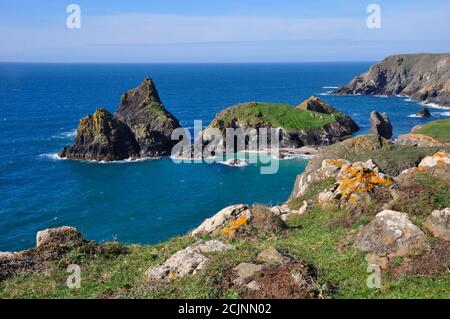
423, 77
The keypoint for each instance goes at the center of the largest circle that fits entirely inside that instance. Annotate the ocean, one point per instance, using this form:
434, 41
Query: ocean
148, 201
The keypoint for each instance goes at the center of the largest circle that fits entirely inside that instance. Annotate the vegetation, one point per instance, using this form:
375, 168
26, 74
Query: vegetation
439, 130
274, 115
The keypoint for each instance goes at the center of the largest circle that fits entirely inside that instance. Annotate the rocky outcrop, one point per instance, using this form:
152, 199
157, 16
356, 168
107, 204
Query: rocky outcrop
423, 112
312, 123
439, 159
102, 137
272, 255
226, 221
142, 127
186, 262
423, 77
419, 140
353, 182
438, 223
380, 125
142, 110
51, 245
391, 234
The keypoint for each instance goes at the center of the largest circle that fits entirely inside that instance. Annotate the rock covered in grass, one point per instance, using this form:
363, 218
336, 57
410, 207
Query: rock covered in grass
187, 261
391, 234
102, 137
380, 124
438, 223
226, 221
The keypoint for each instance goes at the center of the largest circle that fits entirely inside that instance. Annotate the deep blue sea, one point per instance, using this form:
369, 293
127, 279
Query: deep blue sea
150, 201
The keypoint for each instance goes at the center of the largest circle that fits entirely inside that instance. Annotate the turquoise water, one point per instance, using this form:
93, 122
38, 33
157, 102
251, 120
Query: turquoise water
150, 201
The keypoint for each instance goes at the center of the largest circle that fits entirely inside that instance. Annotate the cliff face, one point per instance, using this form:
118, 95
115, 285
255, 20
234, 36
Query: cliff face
313, 122
423, 77
102, 137
142, 110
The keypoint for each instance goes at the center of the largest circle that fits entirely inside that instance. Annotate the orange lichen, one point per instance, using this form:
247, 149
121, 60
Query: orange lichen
361, 180
230, 230
334, 162
440, 155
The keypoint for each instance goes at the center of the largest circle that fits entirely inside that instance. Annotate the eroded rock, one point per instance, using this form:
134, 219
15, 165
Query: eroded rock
186, 262
438, 223
391, 234
271, 255
64, 235
380, 124
226, 221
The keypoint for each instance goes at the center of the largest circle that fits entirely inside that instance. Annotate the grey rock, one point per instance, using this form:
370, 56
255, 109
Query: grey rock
222, 218
438, 223
424, 112
272, 255
392, 234
64, 235
245, 273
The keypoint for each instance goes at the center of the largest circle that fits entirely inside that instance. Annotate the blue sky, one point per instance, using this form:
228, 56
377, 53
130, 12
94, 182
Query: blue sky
220, 31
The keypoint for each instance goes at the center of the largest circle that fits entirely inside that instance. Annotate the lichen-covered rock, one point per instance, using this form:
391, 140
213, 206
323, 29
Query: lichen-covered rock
186, 262
439, 160
380, 124
391, 234
419, 140
438, 223
245, 273
101, 137
317, 105
142, 110
225, 221
59, 236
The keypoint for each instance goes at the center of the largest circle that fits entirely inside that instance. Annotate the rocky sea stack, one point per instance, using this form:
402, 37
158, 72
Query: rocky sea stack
141, 128
142, 110
102, 137
380, 124
423, 77
312, 123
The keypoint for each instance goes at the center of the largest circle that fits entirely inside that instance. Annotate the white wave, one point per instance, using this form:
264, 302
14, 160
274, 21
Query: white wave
442, 114
414, 115
66, 135
326, 93
52, 156
330, 87
229, 163
408, 100
435, 106
381, 96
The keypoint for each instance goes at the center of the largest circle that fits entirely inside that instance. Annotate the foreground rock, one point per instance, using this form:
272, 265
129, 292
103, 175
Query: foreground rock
438, 160
51, 245
380, 125
391, 234
438, 223
423, 77
101, 137
186, 262
225, 221
272, 255
142, 110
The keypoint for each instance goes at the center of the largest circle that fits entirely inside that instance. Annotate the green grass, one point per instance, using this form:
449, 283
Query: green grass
276, 115
439, 130
311, 238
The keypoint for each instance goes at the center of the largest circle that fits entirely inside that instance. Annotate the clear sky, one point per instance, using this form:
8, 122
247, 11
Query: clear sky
220, 30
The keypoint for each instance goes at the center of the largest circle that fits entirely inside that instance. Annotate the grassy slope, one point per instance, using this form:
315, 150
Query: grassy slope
277, 115
314, 237
439, 130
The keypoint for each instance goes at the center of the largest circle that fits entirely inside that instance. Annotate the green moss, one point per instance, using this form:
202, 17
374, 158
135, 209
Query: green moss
273, 115
439, 130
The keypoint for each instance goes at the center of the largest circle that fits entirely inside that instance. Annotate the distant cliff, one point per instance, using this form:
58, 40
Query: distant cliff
423, 77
